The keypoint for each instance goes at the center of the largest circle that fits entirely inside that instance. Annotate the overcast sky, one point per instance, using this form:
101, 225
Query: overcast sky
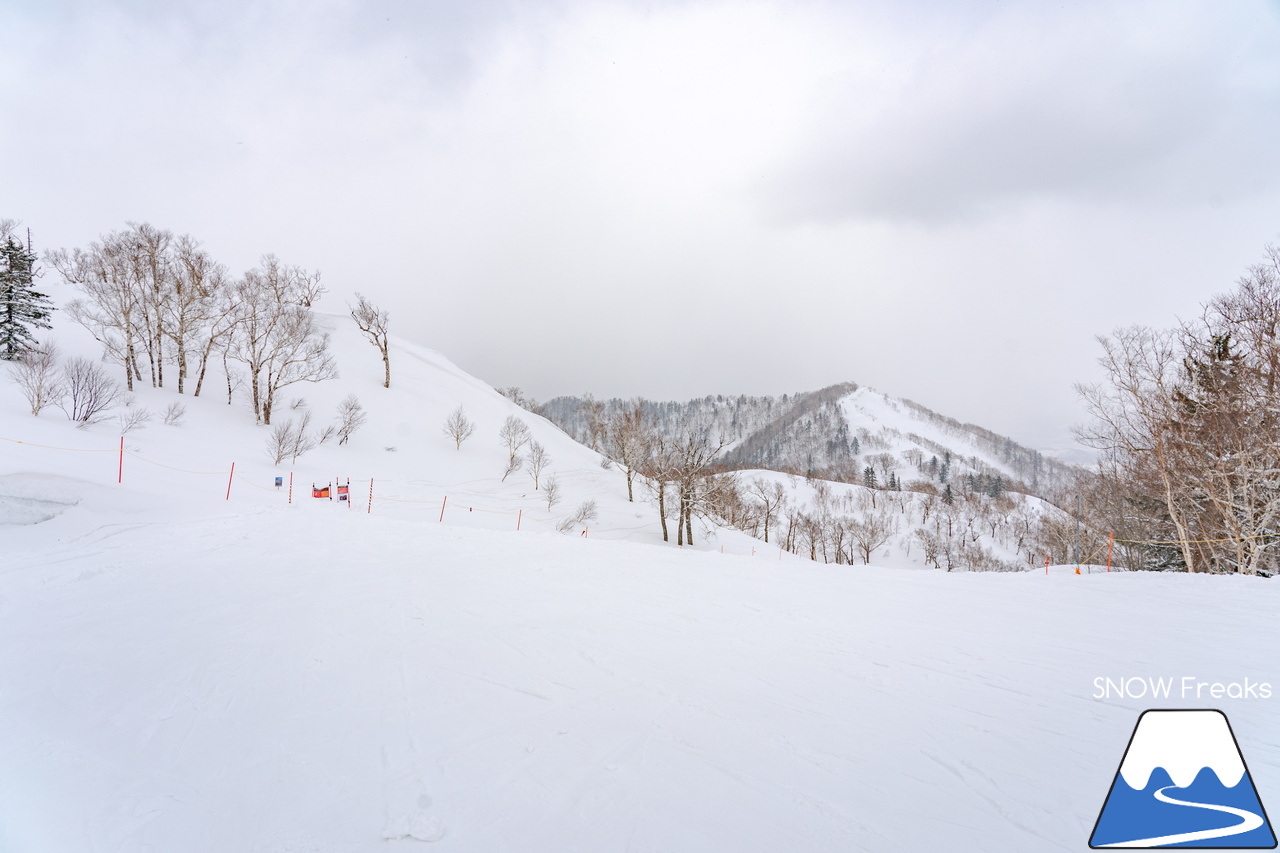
945, 201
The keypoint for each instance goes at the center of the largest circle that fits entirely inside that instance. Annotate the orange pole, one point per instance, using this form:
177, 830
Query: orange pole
1111, 541
229, 476
442, 506
120, 471
1046, 564
518, 518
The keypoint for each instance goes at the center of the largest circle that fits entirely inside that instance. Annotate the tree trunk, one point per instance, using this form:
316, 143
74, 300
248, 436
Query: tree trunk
182, 362
386, 365
226, 371
129, 365
662, 509
680, 516
204, 364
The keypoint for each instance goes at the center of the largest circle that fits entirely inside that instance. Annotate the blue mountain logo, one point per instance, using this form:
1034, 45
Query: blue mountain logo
1183, 783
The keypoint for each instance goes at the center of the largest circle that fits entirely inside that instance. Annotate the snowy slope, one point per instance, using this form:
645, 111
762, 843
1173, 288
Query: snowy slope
266, 679
413, 466
181, 671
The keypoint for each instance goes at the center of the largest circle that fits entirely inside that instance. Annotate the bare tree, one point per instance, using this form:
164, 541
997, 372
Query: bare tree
870, 532
292, 439
303, 441
194, 303
174, 413
36, 372
658, 469
150, 258
931, 543
110, 310
551, 491
772, 497
372, 322
276, 336
586, 512
514, 464
280, 441
539, 459
89, 392
1134, 416
597, 426
693, 457
515, 395
219, 326
629, 435
458, 427
133, 417
514, 434
351, 416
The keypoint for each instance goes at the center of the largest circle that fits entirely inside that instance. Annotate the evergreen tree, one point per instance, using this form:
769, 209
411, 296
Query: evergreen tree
22, 307
869, 477
948, 497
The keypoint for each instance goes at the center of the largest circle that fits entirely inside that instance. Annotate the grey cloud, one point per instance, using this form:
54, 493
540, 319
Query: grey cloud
1084, 115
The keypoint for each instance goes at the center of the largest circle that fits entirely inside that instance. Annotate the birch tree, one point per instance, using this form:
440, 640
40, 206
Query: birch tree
372, 323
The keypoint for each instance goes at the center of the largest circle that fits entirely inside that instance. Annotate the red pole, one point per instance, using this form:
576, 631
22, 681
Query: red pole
120, 472
442, 506
1111, 540
290, 487
1046, 564
229, 476
370, 509
518, 518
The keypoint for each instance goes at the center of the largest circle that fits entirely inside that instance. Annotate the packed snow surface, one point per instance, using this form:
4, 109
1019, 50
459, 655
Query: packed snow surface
313, 678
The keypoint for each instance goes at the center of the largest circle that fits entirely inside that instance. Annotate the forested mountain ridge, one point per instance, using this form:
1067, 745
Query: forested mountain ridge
844, 432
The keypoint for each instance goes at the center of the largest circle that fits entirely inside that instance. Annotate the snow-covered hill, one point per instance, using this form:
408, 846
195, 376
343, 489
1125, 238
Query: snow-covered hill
413, 468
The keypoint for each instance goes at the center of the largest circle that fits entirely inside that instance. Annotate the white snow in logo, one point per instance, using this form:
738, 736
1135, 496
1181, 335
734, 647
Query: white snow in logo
1183, 743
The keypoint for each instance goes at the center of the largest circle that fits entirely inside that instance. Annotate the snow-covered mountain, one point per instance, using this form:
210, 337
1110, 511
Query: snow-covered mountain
835, 433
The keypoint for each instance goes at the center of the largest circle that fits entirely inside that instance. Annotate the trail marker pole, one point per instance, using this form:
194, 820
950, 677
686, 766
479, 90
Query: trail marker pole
229, 476
1111, 541
442, 506
290, 487
370, 509
1046, 564
120, 470
519, 517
